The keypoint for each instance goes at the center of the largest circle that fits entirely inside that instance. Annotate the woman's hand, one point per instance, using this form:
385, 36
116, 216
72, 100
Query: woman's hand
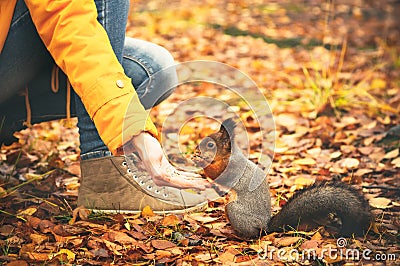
159, 168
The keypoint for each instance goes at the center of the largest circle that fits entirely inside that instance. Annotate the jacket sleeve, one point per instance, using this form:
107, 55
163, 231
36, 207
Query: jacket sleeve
81, 48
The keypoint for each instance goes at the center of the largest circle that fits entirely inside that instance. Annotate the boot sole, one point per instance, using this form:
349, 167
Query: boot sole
197, 208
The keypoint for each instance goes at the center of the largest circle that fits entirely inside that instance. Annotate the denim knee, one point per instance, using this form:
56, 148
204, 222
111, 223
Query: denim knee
152, 70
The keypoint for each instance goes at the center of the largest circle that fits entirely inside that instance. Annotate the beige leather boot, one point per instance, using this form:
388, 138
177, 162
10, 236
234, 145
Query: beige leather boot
109, 185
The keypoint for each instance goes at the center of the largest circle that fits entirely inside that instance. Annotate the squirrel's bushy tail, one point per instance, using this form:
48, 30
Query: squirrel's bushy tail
338, 204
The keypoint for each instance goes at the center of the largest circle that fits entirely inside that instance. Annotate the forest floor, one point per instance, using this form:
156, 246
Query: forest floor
330, 72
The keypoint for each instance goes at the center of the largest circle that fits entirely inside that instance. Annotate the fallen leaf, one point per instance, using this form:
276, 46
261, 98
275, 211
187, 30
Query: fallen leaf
305, 161
29, 211
46, 226
396, 162
170, 220
349, 163
147, 212
310, 244
17, 263
201, 217
289, 121
303, 181
162, 254
228, 256
115, 248
69, 253
7, 229
80, 212
120, 237
36, 256
391, 154
286, 241
380, 203
162, 244
335, 154
38, 238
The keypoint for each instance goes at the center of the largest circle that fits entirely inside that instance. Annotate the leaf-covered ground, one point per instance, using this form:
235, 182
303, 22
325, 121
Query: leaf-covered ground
330, 71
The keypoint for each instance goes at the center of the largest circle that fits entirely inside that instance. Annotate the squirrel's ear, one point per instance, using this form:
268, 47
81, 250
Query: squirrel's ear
228, 128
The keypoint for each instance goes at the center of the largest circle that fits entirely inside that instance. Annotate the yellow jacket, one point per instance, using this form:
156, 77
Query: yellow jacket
80, 47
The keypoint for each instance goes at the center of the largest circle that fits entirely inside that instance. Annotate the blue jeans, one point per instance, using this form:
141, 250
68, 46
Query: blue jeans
24, 61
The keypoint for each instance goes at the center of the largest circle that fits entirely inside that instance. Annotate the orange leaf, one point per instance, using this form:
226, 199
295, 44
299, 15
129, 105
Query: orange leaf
170, 220
147, 212
162, 244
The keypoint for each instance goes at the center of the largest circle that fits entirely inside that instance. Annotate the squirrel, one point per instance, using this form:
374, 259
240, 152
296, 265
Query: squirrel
339, 206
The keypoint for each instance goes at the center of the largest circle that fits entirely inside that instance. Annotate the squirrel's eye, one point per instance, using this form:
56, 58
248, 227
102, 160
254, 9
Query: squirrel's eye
210, 144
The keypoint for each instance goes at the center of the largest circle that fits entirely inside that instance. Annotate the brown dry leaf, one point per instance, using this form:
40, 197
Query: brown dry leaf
80, 212
203, 218
310, 244
115, 248
147, 212
33, 221
317, 236
366, 150
347, 148
67, 230
170, 220
17, 263
163, 254
46, 226
38, 238
120, 237
162, 244
363, 171
38, 256
380, 203
74, 168
286, 241
7, 229
228, 256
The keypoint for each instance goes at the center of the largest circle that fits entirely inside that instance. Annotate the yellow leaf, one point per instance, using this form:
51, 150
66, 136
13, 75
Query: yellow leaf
30, 176
396, 162
392, 154
335, 154
380, 203
3, 192
127, 226
147, 212
378, 84
187, 130
349, 163
302, 181
30, 211
69, 253
305, 161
